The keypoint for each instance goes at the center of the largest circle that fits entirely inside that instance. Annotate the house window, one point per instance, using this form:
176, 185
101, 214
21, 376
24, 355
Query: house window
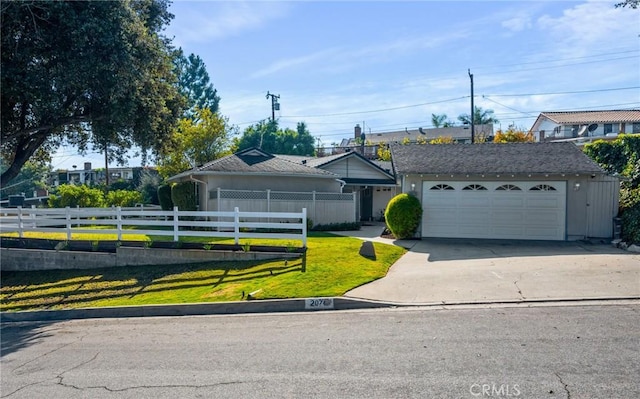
556, 131
608, 128
635, 127
574, 130
508, 187
542, 187
442, 187
475, 187
541, 135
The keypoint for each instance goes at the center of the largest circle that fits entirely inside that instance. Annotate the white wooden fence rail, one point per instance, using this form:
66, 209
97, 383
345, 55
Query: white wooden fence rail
232, 224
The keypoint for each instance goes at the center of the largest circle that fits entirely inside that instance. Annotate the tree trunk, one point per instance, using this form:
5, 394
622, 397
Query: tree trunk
24, 150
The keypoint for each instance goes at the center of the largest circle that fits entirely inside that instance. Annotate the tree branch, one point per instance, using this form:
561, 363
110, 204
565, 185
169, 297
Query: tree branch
22, 133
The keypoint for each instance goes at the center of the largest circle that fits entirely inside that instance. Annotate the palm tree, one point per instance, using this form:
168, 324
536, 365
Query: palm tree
480, 117
440, 121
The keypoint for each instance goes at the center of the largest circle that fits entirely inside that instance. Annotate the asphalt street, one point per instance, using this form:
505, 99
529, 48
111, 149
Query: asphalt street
520, 351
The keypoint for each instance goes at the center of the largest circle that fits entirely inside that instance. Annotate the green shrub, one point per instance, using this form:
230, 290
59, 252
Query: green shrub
123, 198
629, 197
183, 195
403, 216
122, 184
164, 197
631, 224
73, 196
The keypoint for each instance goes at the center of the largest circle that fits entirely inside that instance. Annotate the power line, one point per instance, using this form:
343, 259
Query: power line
560, 59
562, 92
375, 110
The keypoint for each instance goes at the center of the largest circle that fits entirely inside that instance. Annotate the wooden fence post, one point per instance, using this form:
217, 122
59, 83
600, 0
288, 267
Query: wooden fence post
20, 224
176, 226
68, 218
268, 201
236, 225
119, 222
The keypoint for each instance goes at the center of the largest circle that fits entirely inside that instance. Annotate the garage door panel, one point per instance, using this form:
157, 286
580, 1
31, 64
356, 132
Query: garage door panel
443, 201
515, 211
475, 201
508, 231
473, 216
552, 203
508, 201
549, 217
541, 233
503, 218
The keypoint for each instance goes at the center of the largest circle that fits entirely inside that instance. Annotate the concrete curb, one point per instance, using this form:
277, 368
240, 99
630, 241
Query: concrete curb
260, 306
195, 309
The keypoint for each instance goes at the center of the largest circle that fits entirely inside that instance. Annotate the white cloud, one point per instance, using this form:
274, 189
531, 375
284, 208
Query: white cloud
338, 60
202, 21
518, 24
592, 22
289, 63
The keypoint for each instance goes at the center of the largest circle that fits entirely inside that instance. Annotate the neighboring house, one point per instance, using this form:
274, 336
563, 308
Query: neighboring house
90, 176
368, 143
253, 177
533, 191
585, 125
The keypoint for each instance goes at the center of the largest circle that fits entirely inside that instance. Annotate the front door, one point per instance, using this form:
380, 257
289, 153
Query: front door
366, 204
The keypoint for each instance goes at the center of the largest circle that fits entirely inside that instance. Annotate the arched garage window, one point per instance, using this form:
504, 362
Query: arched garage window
508, 187
475, 187
542, 187
442, 187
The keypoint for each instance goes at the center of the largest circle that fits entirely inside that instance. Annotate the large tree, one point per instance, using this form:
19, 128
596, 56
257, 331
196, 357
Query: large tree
196, 141
268, 136
194, 83
629, 3
93, 74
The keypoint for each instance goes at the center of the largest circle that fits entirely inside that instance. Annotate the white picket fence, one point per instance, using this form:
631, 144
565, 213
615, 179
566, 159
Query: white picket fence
231, 224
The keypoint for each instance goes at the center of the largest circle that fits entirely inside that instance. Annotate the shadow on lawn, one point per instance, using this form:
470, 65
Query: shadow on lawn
25, 290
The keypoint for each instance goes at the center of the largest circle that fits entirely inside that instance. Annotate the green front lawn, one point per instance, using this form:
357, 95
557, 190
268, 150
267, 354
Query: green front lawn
334, 266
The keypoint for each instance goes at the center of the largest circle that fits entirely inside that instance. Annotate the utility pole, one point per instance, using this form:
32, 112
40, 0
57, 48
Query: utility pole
275, 105
472, 109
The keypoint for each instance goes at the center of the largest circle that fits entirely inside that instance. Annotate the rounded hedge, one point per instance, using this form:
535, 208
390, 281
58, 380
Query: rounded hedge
403, 215
164, 197
183, 195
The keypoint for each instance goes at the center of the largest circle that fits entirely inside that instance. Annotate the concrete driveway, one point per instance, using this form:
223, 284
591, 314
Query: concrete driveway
473, 271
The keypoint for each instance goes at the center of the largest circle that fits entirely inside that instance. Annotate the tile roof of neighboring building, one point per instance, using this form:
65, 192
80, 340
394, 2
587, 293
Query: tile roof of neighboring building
490, 158
578, 117
254, 161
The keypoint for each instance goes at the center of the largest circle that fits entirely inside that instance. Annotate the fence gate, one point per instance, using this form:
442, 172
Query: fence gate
602, 207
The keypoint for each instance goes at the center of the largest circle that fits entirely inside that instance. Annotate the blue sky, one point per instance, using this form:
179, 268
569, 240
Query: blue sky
391, 64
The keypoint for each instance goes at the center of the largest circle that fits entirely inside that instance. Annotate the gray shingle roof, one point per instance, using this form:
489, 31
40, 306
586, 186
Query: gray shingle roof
490, 158
317, 162
254, 161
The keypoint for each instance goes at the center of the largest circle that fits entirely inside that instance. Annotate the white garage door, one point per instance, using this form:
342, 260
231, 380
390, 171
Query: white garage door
507, 210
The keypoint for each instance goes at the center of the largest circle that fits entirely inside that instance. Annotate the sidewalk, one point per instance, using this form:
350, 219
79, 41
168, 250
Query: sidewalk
446, 271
